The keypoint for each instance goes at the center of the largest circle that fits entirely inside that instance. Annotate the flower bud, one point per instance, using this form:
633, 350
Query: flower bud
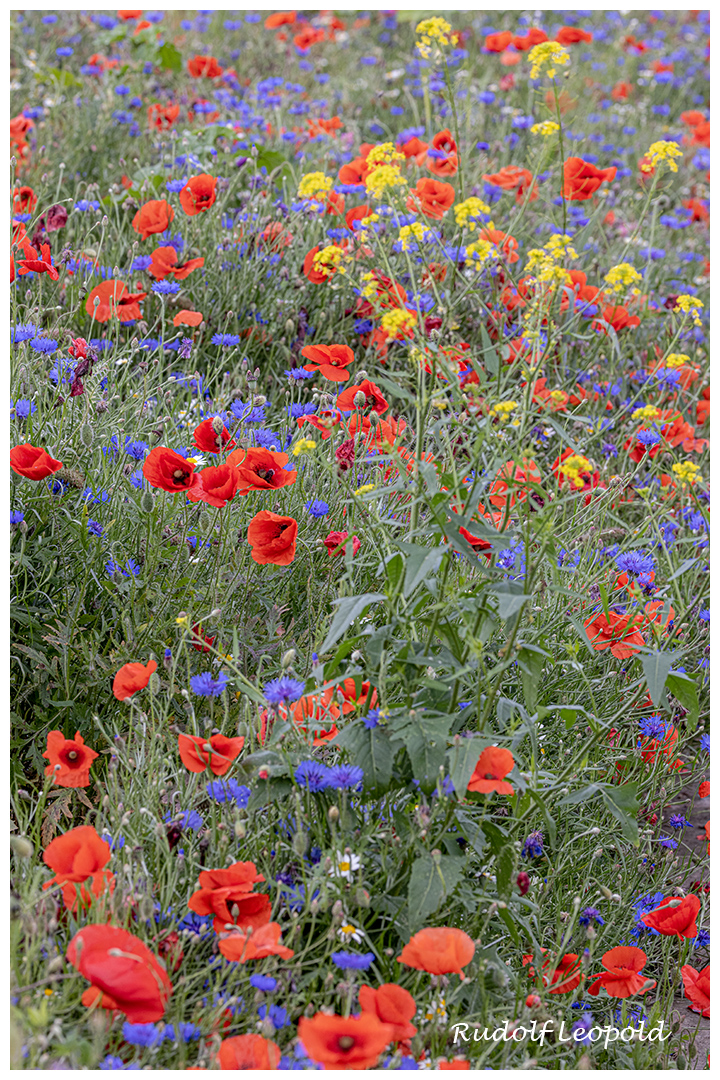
288, 659
240, 830
333, 813
21, 846
217, 425
360, 400
87, 435
147, 502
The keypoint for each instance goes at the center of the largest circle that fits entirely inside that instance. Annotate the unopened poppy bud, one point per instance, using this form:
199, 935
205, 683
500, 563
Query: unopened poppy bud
288, 658
217, 425
21, 846
147, 502
605, 891
361, 375
146, 908
591, 933
240, 830
577, 902
360, 400
87, 435
340, 696
333, 813
362, 898
616, 898
154, 684
675, 902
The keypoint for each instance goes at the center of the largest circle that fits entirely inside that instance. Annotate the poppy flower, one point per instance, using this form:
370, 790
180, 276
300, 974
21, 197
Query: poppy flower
255, 944
675, 917
165, 469
131, 678
619, 318
113, 300
280, 18
227, 895
492, 767
204, 67
261, 470
218, 485
621, 91
392, 1005
571, 35
153, 217
704, 790
77, 856
456, 1063
447, 165
374, 400
162, 117
25, 199
164, 263
124, 973
33, 462
431, 197
205, 437
188, 318
581, 179
335, 543
438, 950
339, 1042
562, 976
697, 988
509, 483
38, 262
318, 713
513, 178
533, 37
498, 43
414, 148
72, 756
354, 172
622, 977
248, 1052
195, 756
619, 633
198, 194
650, 748
505, 243
330, 360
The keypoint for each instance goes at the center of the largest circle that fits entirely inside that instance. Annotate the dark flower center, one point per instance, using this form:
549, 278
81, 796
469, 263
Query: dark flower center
490, 776
346, 1042
265, 474
72, 755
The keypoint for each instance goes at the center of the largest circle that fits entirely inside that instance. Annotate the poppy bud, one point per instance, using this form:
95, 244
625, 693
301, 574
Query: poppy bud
360, 400
333, 813
147, 502
217, 425
87, 435
605, 891
299, 843
523, 882
240, 830
288, 658
21, 846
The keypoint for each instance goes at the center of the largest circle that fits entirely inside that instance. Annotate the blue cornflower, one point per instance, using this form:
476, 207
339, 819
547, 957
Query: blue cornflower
175, 185
591, 915
16, 516
704, 614
94, 527
352, 961
581, 1029
142, 1034
678, 821
299, 373
43, 345
344, 777
226, 340
136, 449
205, 686
142, 262
283, 689
189, 820
229, 791
609, 449
653, 727
64, 51
277, 1015
372, 719
668, 842
635, 563
263, 982
185, 1032
533, 846
23, 332
24, 408
313, 775
705, 743
131, 568
702, 940
317, 508
648, 437
111, 1062
166, 288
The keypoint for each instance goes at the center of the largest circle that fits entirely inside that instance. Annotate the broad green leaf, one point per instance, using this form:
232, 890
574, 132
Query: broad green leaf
685, 690
169, 57
531, 660
510, 599
462, 759
432, 881
425, 739
656, 668
372, 750
420, 563
348, 609
621, 801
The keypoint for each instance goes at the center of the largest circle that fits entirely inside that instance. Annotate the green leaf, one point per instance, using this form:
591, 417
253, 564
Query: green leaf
621, 801
432, 881
685, 565
531, 660
685, 690
269, 791
504, 853
462, 759
420, 563
169, 57
372, 750
656, 668
510, 923
472, 831
490, 356
425, 738
272, 161
349, 608
510, 598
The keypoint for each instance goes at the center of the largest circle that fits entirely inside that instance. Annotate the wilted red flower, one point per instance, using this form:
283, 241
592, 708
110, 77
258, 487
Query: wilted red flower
131, 678
622, 978
581, 179
37, 262
335, 543
431, 198
72, 756
329, 360
616, 632
153, 217
439, 950
33, 462
339, 1042
196, 757
204, 66
164, 263
227, 895
562, 976
218, 485
165, 469
272, 538
124, 974
392, 1005
492, 767
259, 469
697, 988
675, 916
205, 437
248, 1052
77, 856
198, 194
255, 944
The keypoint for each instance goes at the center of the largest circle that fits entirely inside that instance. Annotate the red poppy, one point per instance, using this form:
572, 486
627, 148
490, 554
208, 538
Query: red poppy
37, 262
622, 978
123, 972
128, 14
255, 944
335, 543
114, 300
616, 632
704, 790
280, 18
562, 976
248, 1052
188, 318
77, 856
439, 950
339, 1042
354, 172
532, 38
164, 263
667, 745
205, 437
204, 66
198, 194
511, 483
218, 485
195, 756
70, 760
447, 165
162, 117
582, 180
570, 35
169, 471
512, 177
697, 988
497, 43
675, 917
329, 360
317, 274
25, 199
492, 767
33, 462
431, 198
391, 1005
131, 678
456, 1063
619, 318
259, 469
153, 217
506, 243
272, 538
227, 895
317, 712
621, 91
414, 148
374, 400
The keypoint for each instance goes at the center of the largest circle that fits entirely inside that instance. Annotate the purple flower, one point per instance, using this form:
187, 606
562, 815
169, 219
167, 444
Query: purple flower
343, 777
313, 775
352, 961
283, 689
205, 686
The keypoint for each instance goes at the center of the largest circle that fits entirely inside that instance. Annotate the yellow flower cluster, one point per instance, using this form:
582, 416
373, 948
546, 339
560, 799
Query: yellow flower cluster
547, 52
370, 288
315, 184
408, 233
622, 277
545, 128
560, 246
544, 263
573, 467
304, 446
435, 32
690, 305
648, 412
466, 211
365, 488
664, 153
384, 154
687, 472
479, 251
675, 360
329, 258
502, 410
397, 322
383, 177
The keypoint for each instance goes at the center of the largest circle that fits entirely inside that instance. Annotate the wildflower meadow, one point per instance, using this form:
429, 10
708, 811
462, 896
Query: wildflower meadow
359, 501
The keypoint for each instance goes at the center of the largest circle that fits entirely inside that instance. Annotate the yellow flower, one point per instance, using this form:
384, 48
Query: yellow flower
664, 153
687, 472
648, 412
383, 177
315, 183
365, 487
329, 258
384, 154
398, 322
433, 32
503, 410
547, 52
545, 128
675, 360
466, 211
304, 446
622, 277
182, 620
573, 466
479, 251
690, 305
408, 233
